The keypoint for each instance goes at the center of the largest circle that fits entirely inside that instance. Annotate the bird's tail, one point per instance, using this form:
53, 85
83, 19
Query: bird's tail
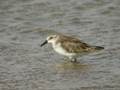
96, 48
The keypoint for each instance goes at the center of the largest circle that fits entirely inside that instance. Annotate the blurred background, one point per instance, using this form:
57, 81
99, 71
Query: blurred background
24, 25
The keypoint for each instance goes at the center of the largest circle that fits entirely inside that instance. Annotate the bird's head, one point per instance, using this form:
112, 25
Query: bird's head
50, 39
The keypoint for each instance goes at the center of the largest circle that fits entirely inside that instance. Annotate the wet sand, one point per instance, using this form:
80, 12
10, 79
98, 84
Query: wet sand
24, 25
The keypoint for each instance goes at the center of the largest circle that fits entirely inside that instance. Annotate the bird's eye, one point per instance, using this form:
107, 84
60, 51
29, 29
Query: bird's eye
51, 38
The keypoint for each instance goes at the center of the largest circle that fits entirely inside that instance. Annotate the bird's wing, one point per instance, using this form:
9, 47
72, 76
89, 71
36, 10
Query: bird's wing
74, 45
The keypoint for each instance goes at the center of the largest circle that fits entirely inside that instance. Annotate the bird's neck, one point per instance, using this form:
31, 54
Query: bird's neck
55, 44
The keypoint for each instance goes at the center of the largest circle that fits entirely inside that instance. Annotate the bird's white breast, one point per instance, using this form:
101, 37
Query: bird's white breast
59, 49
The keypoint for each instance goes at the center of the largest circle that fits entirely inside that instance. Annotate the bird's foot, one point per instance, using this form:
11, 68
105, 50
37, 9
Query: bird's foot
74, 60
65, 58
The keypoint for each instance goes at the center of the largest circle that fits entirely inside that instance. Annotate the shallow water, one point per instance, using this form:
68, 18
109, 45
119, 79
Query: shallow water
24, 25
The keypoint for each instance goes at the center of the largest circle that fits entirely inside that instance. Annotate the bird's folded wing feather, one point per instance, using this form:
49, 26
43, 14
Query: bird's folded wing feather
74, 45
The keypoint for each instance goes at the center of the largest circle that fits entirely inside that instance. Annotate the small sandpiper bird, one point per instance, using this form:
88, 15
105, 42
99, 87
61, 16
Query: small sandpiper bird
70, 46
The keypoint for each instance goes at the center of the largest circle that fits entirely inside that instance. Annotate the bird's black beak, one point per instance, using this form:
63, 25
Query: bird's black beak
45, 42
